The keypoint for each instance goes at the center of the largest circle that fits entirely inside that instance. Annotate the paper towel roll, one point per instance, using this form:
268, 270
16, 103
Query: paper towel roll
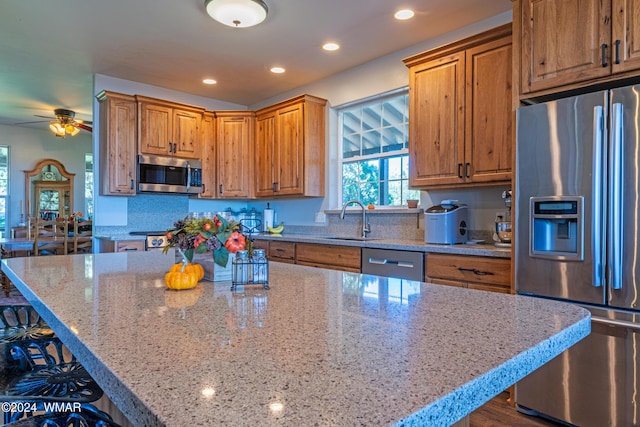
268, 218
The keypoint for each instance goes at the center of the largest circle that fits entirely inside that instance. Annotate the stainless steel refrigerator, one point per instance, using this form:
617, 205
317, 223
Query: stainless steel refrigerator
577, 222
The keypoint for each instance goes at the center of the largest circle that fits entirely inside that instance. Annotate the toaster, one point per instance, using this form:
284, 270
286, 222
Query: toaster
446, 223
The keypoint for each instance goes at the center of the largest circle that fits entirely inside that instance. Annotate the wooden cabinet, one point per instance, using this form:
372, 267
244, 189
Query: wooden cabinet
485, 273
336, 257
209, 157
569, 43
169, 129
289, 148
460, 109
118, 140
234, 131
282, 252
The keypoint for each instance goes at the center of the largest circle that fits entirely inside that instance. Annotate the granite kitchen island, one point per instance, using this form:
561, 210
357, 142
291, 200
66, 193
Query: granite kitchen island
321, 347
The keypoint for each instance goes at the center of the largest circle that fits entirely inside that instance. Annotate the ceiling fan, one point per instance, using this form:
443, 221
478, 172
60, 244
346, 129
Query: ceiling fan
65, 123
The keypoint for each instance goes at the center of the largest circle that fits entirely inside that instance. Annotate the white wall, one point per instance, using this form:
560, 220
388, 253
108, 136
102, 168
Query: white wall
28, 146
113, 210
376, 77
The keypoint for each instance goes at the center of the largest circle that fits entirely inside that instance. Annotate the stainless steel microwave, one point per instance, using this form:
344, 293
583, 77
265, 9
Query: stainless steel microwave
162, 174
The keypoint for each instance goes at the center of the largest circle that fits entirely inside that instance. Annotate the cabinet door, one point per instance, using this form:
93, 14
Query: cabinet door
118, 132
289, 150
155, 128
234, 154
626, 35
264, 155
436, 127
209, 166
562, 42
489, 132
186, 134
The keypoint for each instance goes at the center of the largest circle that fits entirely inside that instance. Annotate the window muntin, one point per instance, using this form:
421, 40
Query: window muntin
4, 189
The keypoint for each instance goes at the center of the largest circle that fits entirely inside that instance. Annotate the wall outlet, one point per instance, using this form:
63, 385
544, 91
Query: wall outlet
321, 217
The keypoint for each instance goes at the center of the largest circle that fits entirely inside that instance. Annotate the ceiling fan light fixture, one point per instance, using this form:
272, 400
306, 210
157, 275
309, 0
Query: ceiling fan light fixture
237, 13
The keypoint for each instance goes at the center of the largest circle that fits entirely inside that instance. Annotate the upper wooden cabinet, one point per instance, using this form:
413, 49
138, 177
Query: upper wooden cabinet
209, 156
118, 133
569, 43
289, 148
234, 136
169, 129
460, 112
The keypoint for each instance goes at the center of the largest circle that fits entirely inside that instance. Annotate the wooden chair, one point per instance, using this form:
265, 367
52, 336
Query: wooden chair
82, 241
44, 234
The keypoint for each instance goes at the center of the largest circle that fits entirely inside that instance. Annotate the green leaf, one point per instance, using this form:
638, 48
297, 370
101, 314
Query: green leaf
189, 254
221, 256
224, 236
202, 248
206, 234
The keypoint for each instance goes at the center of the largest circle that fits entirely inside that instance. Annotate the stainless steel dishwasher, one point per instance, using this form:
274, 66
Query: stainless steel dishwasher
392, 263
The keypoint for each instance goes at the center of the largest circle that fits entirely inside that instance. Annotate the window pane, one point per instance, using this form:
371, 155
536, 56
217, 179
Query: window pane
370, 171
351, 122
351, 146
371, 117
393, 138
371, 142
394, 196
405, 167
369, 193
393, 111
395, 167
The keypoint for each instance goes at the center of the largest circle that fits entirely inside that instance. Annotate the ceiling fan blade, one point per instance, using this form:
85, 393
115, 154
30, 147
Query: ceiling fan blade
45, 117
83, 126
29, 123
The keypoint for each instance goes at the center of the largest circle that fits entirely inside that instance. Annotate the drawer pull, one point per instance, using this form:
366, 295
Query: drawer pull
477, 272
390, 262
281, 250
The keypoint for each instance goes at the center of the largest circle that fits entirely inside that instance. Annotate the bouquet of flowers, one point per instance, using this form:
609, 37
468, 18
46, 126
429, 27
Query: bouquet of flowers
199, 235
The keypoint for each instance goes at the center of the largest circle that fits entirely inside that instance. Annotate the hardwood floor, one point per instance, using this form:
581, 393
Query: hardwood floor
499, 413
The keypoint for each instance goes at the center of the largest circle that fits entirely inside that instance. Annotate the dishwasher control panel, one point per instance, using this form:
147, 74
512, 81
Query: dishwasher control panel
391, 263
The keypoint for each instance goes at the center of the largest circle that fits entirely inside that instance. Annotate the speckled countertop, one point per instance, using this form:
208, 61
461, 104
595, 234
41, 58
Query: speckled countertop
471, 248
321, 347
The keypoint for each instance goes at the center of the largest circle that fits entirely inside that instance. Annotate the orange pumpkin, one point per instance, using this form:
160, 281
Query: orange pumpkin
180, 280
189, 268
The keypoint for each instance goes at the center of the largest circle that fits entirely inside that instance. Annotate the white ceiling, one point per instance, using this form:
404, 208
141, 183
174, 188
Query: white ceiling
49, 50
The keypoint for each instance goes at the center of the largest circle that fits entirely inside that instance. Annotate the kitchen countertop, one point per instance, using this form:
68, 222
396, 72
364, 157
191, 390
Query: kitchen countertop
476, 249
321, 347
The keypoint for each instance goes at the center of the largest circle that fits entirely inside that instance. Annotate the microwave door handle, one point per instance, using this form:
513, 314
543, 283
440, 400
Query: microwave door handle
188, 175
615, 198
597, 189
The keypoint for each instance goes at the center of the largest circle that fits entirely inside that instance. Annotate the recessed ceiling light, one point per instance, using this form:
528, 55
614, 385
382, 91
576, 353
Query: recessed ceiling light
404, 14
277, 70
209, 81
331, 46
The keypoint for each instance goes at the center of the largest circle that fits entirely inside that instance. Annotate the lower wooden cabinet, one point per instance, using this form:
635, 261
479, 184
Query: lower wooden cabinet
473, 272
109, 245
336, 257
282, 252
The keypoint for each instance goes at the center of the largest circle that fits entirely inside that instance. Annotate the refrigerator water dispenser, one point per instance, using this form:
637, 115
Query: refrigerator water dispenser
556, 228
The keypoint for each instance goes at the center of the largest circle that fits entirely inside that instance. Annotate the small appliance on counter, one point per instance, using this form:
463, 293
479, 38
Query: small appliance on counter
446, 223
502, 234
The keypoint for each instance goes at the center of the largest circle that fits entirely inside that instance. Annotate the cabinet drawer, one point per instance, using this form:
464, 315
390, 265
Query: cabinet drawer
129, 246
484, 270
261, 244
393, 263
328, 255
282, 250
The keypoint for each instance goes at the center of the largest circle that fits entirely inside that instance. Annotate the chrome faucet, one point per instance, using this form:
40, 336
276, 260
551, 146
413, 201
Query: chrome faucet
366, 228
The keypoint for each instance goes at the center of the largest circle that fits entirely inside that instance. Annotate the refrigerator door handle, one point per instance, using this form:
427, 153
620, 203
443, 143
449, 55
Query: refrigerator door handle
615, 198
598, 189
614, 322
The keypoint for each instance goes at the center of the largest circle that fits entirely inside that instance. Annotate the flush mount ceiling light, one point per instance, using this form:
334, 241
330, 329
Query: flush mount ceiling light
331, 46
277, 70
237, 13
404, 14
